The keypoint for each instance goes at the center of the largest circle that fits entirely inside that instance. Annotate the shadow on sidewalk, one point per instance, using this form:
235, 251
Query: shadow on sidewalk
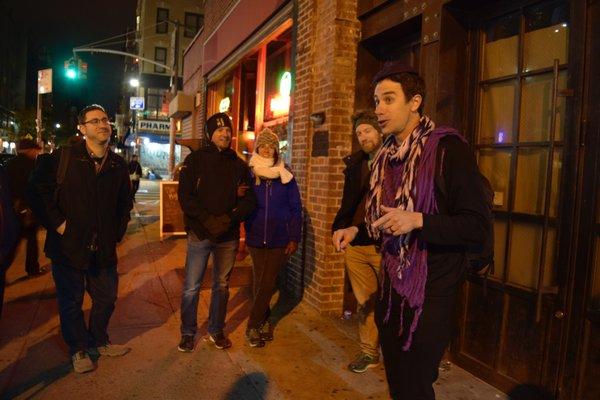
146, 252
251, 386
44, 363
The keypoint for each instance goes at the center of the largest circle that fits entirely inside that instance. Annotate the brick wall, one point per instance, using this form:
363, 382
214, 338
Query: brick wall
328, 33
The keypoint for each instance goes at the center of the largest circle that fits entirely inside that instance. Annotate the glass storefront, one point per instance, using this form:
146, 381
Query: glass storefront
256, 93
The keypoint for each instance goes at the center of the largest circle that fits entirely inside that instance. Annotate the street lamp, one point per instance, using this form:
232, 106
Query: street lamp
57, 125
134, 82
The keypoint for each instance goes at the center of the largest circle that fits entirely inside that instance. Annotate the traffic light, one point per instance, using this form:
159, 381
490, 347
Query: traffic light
76, 68
71, 69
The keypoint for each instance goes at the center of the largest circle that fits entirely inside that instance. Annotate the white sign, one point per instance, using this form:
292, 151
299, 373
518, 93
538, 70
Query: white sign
45, 81
136, 103
158, 126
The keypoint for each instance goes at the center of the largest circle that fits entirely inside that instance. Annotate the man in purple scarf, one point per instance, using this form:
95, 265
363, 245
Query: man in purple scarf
426, 204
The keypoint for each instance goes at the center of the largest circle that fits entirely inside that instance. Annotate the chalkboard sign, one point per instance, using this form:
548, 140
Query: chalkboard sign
171, 215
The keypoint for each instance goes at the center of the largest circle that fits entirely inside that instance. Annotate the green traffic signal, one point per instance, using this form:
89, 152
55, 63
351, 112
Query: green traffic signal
71, 73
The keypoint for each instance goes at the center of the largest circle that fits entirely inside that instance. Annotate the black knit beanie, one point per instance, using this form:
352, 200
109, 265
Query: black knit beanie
216, 121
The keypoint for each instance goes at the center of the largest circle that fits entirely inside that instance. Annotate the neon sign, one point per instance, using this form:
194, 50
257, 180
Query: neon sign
280, 104
224, 104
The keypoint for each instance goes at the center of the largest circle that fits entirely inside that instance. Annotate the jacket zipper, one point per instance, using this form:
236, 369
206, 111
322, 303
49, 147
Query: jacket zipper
267, 185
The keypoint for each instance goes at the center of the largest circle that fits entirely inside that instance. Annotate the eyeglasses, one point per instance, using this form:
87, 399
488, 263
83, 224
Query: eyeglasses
97, 121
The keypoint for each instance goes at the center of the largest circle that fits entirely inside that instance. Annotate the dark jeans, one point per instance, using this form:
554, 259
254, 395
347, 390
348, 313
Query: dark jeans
196, 261
101, 284
266, 264
411, 374
135, 185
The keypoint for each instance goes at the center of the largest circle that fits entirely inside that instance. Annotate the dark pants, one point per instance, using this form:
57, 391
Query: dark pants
266, 264
101, 284
411, 374
135, 185
29, 234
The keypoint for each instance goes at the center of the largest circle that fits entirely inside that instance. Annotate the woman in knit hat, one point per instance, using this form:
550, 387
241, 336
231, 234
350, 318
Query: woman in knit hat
272, 231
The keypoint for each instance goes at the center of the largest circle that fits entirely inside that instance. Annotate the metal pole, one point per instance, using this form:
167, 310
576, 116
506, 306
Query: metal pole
174, 84
39, 118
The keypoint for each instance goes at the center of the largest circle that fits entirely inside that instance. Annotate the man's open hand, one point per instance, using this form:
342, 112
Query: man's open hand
398, 222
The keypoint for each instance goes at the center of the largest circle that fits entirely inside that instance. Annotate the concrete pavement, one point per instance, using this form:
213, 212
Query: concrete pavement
307, 360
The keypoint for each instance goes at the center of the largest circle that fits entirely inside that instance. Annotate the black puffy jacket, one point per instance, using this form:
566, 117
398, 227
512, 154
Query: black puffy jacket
95, 206
208, 193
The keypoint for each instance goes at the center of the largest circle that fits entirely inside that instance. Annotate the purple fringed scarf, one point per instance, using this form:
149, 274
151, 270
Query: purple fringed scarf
411, 188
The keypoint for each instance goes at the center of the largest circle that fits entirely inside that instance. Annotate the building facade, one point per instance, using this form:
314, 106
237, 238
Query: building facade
156, 39
516, 77
13, 71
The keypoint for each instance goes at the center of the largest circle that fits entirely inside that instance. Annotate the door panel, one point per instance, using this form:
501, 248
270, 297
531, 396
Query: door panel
510, 331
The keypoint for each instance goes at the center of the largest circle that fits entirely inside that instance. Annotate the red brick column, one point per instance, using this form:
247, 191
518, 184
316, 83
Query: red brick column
328, 33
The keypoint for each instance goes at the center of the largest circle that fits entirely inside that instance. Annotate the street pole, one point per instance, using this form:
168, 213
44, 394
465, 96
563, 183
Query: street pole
174, 88
38, 118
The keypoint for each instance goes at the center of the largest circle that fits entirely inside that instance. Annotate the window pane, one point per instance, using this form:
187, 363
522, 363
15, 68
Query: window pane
556, 172
546, 36
495, 165
162, 14
500, 55
497, 111
192, 24
160, 55
536, 108
278, 77
549, 272
531, 179
499, 248
524, 257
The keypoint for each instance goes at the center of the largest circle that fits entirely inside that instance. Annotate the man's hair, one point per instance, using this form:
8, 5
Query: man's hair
412, 84
87, 109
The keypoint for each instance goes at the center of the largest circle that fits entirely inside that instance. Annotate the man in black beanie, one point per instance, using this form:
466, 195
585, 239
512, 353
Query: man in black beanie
214, 203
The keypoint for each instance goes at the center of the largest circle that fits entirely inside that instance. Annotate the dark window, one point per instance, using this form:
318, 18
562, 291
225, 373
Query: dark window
162, 15
192, 24
160, 55
156, 105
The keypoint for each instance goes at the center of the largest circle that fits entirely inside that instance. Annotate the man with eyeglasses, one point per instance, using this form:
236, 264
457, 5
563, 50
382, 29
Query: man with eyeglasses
81, 193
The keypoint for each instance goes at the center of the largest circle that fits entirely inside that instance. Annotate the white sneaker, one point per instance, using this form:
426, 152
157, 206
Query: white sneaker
82, 362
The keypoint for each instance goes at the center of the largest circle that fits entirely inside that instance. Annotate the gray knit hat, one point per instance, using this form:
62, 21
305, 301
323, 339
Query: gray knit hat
365, 117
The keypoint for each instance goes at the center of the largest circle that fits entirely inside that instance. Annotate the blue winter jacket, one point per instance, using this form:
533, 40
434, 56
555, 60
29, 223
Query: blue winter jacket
277, 219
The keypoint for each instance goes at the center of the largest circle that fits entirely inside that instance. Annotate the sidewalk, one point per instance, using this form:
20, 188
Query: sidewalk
307, 360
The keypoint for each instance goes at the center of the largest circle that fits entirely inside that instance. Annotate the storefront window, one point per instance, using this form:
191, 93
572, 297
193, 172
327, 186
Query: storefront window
278, 78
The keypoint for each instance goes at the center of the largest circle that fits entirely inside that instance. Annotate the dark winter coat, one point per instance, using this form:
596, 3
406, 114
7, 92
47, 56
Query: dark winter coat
208, 193
356, 187
95, 206
277, 219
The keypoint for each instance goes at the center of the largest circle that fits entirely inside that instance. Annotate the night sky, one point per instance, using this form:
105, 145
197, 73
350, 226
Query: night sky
54, 28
